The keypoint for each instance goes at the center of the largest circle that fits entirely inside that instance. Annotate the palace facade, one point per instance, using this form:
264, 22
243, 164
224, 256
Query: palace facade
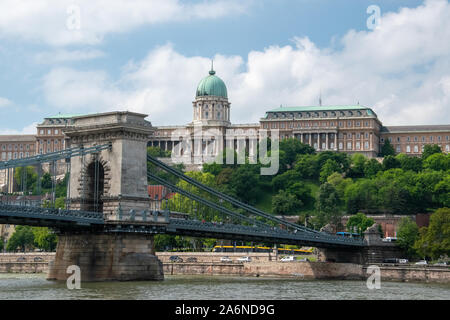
350, 129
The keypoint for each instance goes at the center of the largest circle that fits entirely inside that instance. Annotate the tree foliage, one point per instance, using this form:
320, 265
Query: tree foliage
387, 149
407, 235
359, 223
285, 203
21, 240
434, 240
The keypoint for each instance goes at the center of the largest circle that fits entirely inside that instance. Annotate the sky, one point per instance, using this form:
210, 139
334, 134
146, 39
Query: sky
148, 56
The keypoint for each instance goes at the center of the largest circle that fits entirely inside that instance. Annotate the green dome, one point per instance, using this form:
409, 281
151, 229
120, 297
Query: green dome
212, 86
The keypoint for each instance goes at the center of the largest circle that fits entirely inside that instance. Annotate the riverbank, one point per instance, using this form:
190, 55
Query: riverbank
208, 264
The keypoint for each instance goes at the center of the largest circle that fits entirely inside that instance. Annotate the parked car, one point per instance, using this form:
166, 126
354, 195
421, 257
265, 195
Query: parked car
175, 259
403, 261
422, 262
225, 259
287, 258
441, 264
244, 259
38, 259
21, 259
391, 260
191, 259
390, 239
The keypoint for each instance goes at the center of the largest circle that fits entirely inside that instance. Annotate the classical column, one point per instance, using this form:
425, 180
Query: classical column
301, 137
310, 141
319, 147
335, 142
165, 145
326, 141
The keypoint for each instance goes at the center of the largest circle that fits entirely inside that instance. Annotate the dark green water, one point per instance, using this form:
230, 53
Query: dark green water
34, 286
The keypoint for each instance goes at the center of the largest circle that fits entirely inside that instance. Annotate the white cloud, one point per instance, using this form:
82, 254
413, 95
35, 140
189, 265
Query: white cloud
30, 129
4, 102
402, 70
57, 56
57, 23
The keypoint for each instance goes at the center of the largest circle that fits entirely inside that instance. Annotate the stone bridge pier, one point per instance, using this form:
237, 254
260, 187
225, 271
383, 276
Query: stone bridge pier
110, 181
375, 251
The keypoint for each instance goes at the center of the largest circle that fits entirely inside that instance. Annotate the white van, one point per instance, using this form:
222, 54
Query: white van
288, 258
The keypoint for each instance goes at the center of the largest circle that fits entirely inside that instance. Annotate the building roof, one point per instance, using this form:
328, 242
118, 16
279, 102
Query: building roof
320, 108
158, 192
212, 85
18, 138
65, 116
420, 128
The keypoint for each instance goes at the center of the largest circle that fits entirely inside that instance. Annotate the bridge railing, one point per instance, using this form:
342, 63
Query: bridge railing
39, 212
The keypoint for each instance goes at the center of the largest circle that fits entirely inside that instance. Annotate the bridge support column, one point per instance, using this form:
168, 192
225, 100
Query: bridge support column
106, 257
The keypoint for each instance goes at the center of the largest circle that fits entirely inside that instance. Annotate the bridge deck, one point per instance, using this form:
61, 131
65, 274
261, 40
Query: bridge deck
63, 219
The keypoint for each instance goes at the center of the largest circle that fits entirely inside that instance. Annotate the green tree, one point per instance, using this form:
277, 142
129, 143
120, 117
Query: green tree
328, 169
372, 167
285, 180
22, 239
307, 166
28, 174
387, 149
409, 163
442, 191
157, 152
291, 148
245, 183
339, 183
302, 192
390, 162
44, 238
359, 223
358, 164
328, 205
430, 149
284, 203
434, 240
437, 162
1, 243
408, 234
361, 195
46, 181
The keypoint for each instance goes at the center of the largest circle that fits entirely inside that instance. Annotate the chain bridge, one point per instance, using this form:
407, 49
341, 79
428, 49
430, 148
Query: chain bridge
107, 226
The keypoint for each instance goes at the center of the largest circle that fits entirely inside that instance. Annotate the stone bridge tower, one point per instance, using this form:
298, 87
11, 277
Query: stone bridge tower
117, 177
102, 182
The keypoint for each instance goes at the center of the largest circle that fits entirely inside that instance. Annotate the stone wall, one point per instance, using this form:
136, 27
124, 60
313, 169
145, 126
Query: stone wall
414, 273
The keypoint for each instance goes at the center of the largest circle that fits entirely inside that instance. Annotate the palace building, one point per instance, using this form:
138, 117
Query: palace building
350, 129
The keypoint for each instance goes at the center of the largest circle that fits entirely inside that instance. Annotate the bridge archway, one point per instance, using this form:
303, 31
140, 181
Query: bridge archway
95, 186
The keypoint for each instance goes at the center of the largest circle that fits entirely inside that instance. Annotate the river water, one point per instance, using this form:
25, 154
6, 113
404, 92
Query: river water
35, 286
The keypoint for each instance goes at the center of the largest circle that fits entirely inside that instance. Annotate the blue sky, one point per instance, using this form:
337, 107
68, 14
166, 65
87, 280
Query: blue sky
148, 56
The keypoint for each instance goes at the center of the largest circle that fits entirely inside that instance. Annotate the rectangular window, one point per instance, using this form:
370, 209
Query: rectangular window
397, 149
366, 145
349, 146
340, 145
416, 149
408, 149
358, 145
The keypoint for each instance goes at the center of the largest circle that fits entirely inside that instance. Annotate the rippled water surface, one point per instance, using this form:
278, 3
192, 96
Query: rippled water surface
35, 286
